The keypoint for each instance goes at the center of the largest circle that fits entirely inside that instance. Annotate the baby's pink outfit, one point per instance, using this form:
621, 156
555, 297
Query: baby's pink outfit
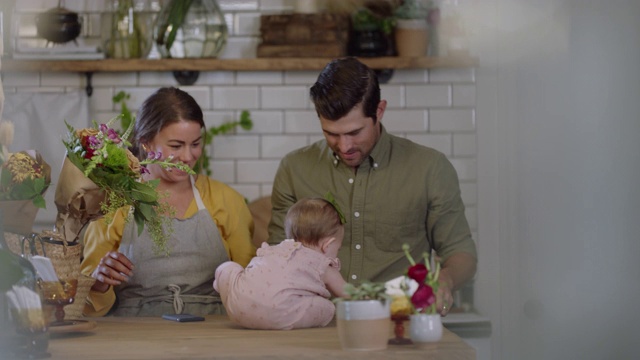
281, 288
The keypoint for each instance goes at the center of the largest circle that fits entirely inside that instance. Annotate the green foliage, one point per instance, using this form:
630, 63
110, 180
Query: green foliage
245, 122
366, 20
30, 186
111, 170
10, 270
367, 290
126, 117
169, 25
331, 199
411, 9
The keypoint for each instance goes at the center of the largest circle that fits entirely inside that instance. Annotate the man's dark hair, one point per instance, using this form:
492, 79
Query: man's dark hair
343, 84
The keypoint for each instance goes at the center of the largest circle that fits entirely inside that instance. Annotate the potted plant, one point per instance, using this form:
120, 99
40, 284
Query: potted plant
411, 29
363, 317
371, 30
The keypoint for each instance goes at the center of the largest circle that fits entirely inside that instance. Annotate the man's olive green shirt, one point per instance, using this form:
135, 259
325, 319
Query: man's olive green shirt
403, 193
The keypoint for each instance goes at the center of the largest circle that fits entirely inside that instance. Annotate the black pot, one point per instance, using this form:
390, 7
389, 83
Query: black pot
58, 25
369, 43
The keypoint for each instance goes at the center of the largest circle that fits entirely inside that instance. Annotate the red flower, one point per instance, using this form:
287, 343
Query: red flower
418, 272
86, 145
423, 297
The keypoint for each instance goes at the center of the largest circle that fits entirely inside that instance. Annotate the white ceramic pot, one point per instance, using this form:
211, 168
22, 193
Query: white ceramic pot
363, 325
425, 328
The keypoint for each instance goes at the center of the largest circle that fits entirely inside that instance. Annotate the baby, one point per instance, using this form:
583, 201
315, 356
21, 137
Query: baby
288, 286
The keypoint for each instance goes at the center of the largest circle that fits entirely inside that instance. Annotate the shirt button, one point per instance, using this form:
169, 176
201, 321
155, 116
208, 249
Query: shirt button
350, 181
375, 165
358, 247
356, 214
335, 162
354, 277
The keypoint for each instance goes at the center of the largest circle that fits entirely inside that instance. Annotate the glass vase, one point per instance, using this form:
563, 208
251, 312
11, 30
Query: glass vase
424, 328
190, 29
127, 28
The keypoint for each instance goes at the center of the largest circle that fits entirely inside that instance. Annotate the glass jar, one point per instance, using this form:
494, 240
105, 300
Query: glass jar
127, 28
190, 29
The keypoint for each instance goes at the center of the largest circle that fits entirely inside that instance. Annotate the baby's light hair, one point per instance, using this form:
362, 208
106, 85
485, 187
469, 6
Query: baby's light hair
310, 220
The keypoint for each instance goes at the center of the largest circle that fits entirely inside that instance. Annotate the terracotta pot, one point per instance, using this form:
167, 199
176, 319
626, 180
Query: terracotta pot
412, 37
363, 325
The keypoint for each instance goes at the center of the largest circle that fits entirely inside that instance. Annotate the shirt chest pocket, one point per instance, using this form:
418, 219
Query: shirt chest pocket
393, 229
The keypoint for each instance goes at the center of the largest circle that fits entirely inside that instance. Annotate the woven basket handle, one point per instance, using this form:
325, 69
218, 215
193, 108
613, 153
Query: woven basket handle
32, 244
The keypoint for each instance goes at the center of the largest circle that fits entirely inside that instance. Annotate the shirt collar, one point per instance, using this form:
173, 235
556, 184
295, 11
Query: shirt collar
380, 154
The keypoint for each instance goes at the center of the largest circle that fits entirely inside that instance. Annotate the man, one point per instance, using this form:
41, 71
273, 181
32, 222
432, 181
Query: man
391, 190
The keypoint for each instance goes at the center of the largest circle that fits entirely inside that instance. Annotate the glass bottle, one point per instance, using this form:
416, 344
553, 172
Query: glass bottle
127, 28
190, 29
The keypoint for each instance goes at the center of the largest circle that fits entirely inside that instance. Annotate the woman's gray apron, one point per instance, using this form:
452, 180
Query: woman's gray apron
178, 283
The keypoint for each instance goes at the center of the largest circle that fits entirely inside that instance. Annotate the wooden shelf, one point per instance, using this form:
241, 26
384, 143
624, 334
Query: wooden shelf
204, 64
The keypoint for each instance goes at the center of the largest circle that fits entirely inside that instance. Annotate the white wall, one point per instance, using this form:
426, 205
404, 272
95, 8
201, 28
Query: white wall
558, 137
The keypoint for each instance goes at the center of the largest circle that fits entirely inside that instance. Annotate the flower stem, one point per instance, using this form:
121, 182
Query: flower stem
405, 247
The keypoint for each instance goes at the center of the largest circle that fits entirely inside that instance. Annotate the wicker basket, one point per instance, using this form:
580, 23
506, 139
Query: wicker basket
74, 311
65, 256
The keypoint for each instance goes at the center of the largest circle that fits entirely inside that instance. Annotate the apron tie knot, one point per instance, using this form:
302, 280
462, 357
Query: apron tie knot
178, 303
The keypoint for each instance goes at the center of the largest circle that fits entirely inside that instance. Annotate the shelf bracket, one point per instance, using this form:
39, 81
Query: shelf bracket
89, 88
384, 75
186, 77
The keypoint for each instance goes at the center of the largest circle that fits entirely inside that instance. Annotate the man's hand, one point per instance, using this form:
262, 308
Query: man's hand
455, 272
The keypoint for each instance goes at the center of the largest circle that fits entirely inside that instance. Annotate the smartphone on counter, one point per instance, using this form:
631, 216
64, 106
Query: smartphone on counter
182, 317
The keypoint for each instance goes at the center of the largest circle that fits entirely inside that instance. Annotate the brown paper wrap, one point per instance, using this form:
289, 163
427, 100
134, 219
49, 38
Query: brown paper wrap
18, 216
78, 201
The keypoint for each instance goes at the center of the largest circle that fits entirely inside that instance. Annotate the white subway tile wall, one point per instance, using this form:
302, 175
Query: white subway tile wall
434, 107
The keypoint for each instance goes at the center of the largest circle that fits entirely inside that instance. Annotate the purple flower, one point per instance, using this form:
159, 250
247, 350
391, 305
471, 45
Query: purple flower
94, 142
152, 155
113, 136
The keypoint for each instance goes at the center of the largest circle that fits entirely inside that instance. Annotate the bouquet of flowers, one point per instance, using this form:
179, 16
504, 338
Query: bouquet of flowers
423, 299
24, 178
100, 175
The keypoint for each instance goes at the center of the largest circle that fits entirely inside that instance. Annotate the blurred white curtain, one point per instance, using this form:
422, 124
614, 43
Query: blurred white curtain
39, 124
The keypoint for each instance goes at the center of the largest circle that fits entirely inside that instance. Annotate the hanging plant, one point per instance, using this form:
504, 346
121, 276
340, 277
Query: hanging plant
245, 122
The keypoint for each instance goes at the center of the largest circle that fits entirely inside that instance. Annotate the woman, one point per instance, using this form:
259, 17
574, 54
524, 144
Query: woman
212, 224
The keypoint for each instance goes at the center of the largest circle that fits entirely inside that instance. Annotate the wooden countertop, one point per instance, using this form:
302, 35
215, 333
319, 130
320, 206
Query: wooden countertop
217, 337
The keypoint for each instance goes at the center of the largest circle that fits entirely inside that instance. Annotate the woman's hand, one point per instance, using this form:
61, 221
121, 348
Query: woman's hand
113, 269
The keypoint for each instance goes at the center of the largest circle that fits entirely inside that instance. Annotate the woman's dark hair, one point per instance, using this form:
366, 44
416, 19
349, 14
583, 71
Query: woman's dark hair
343, 84
166, 106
